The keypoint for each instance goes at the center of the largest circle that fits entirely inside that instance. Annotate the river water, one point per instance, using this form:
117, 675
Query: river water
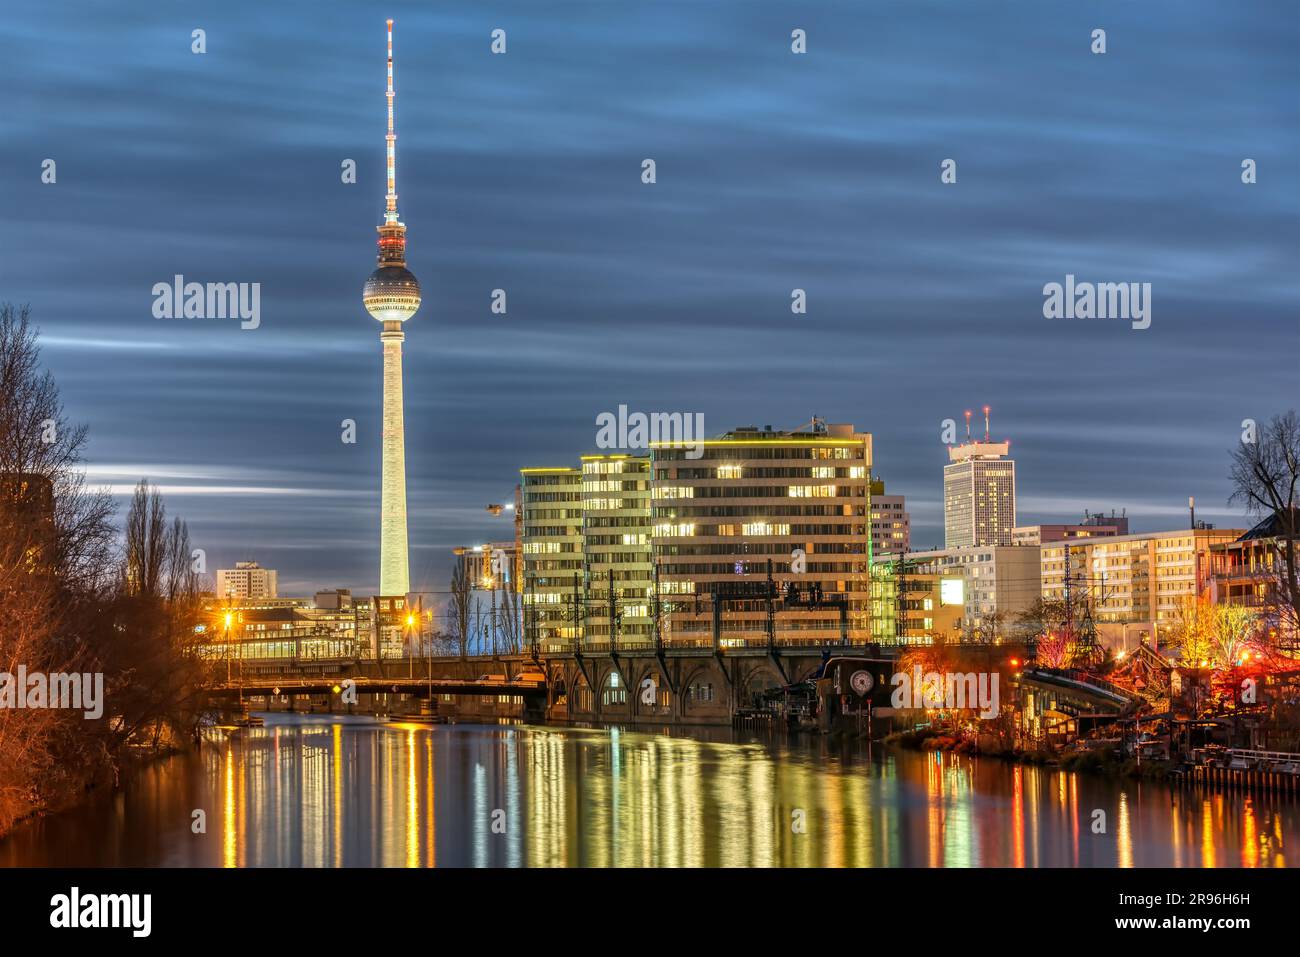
326, 791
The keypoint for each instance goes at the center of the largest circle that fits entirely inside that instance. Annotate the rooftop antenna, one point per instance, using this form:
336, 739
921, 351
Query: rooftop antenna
968, 425
390, 205
986, 423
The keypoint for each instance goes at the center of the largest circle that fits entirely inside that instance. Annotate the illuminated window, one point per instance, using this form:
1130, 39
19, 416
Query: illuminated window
765, 528
674, 491
675, 530
811, 491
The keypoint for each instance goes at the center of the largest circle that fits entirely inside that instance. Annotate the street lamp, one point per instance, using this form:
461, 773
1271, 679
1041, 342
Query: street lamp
229, 619
410, 658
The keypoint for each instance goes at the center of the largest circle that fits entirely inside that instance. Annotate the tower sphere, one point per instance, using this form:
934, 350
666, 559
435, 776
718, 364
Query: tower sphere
391, 294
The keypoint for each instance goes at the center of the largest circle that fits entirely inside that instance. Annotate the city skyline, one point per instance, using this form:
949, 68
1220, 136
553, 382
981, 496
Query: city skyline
770, 178
833, 436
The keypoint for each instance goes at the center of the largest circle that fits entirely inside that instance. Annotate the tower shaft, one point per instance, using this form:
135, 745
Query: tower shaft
394, 569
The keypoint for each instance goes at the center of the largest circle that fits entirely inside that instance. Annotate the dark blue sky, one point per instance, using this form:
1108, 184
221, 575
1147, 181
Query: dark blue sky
775, 171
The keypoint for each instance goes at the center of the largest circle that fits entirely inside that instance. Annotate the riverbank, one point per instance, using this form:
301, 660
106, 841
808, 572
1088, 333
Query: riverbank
1107, 763
22, 810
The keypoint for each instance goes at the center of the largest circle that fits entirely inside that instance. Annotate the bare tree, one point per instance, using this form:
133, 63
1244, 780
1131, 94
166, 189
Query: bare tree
68, 605
458, 608
1266, 480
36, 439
146, 544
511, 621
983, 630
56, 545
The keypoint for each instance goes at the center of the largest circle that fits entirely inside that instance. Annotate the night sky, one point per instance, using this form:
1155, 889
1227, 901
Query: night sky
776, 171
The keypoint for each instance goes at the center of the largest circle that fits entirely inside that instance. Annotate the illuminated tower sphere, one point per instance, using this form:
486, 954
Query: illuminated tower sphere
392, 295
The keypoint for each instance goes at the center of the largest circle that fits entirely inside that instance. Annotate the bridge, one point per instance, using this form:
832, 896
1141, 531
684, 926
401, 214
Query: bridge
1073, 690
629, 682
632, 683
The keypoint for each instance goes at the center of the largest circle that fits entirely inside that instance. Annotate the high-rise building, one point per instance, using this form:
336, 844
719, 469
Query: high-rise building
552, 554
616, 547
247, 580
891, 526
799, 500
1131, 586
583, 529
979, 492
392, 296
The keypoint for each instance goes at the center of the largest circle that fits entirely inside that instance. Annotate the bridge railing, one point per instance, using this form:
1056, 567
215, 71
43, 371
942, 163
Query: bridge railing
1087, 678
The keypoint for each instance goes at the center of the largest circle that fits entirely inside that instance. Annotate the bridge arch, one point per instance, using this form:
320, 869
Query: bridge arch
705, 693
662, 701
581, 699
614, 699
755, 681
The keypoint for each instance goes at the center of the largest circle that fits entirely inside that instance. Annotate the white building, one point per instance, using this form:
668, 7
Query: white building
998, 582
979, 495
247, 580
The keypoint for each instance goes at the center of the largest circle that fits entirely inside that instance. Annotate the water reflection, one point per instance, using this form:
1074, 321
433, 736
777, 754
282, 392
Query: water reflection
306, 791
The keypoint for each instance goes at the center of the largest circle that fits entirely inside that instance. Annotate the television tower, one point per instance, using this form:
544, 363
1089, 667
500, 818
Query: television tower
392, 296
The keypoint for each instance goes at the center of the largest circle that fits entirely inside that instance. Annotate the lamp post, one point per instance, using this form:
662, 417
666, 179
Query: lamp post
410, 658
229, 618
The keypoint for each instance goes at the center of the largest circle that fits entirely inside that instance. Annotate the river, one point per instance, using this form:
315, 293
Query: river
322, 791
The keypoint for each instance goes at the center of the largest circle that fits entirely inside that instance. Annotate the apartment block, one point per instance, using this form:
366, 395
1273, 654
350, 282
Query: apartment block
1132, 585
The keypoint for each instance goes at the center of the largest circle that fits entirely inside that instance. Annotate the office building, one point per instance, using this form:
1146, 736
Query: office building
552, 554
979, 492
994, 584
616, 548
891, 526
247, 580
799, 500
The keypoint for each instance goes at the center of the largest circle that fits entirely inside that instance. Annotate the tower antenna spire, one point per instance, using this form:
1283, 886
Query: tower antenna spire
986, 423
390, 208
